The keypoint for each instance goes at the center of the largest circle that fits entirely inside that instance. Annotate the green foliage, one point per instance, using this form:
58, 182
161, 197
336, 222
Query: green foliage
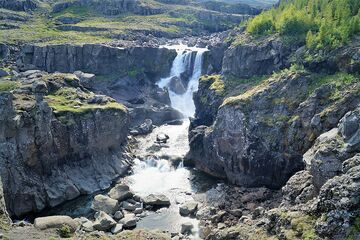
7, 85
65, 231
338, 81
66, 100
261, 25
354, 230
320, 23
217, 84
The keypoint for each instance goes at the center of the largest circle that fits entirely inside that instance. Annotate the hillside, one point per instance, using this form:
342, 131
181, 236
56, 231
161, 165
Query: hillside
85, 21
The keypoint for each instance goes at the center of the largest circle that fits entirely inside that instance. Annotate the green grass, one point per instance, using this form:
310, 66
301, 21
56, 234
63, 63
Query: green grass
217, 84
338, 81
355, 229
321, 24
7, 85
66, 100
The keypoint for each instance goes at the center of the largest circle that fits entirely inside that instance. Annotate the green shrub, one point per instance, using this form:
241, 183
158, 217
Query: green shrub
261, 25
321, 23
7, 86
65, 231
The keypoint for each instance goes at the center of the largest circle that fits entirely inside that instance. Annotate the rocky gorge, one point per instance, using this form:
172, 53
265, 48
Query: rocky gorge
220, 136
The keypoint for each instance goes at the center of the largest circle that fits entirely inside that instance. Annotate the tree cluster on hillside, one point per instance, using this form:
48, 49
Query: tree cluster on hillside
320, 23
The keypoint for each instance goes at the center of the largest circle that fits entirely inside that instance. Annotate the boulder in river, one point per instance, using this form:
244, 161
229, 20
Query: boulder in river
157, 200
120, 192
117, 228
186, 228
128, 206
145, 128
103, 222
104, 203
177, 86
188, 208
162, 138
43, 223
129, 220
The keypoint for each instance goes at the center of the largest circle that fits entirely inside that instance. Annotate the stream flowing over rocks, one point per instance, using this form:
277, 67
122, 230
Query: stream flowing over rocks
217, 137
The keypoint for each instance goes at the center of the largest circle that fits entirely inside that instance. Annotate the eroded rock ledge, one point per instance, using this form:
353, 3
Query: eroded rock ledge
57, 141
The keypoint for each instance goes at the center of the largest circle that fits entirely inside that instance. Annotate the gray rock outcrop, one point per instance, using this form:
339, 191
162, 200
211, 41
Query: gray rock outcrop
49, 157
256, 58
258, 138
98, 59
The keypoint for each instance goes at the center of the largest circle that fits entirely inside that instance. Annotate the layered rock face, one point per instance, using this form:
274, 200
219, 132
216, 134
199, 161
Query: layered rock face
111, 7
52, 151
19, 5
258, 138
98, 59
256, 59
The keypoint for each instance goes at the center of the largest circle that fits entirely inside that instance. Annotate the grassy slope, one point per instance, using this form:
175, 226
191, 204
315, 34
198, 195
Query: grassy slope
42, 26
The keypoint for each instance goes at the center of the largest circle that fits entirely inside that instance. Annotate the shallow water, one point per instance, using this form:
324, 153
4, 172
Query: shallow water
155, 174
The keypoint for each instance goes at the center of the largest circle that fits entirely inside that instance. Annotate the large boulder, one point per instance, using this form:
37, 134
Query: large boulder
103, 222
188, 208
105, 204
129, 220
120, 192
156, 200
177, 86
44, 223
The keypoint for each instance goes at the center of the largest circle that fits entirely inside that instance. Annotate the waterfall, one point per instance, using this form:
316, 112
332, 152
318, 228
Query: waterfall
182, 62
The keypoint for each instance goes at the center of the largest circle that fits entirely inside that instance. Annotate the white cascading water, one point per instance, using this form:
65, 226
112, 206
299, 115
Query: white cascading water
184, 102
154, 174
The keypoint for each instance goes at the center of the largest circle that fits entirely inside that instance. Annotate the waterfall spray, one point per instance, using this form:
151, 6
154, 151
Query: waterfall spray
184, 102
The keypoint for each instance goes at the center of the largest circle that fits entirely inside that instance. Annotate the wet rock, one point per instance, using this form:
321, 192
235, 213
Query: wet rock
177, 86
188, 208
186, 228
145, 128
129, 220
43, 223
128, 206
117, 228
105, 204
118, 215
157, 200
138, 210
120, 192
162, 138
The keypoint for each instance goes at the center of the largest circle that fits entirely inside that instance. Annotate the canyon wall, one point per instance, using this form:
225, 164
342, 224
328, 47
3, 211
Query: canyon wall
52, 151
256, 135
98, 59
